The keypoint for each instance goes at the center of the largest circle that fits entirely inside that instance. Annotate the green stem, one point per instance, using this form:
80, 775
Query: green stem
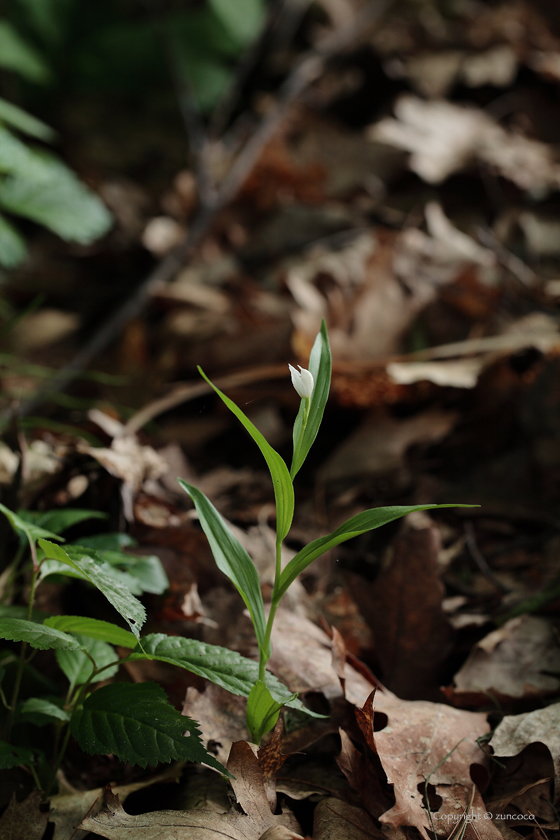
22, 661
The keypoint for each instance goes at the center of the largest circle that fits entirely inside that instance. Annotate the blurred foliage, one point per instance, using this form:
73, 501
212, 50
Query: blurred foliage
87, 47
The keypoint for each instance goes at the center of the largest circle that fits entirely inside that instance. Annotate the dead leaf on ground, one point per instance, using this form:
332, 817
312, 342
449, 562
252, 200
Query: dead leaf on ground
334, 819
520, 659
115, 824
220, 717
424, 743
403, 607
362, 777
24, 820
532, 799
516, 732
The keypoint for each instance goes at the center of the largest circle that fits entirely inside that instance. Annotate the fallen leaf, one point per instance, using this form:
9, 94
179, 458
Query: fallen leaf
516, 732
403, 607
362, 777
24, 820
519, 659
197, 824
423, 743
334, 819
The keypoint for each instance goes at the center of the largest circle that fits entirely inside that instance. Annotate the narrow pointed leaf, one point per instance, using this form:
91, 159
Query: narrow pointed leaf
138, 724
366, 521
36, 635
283, 488
116, 593
94, 628
231, 558
320, 365
224, 667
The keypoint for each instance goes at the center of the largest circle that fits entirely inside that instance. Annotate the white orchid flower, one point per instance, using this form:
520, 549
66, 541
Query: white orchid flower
302, 380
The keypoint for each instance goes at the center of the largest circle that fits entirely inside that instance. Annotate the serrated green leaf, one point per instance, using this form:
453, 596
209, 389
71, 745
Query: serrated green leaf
58, 200
36, 635
93, 628
24, 122
11, 756
243, 19
16, 54
224, 667
138, 724
283, 488
121, 599
359, 524
13, 249
320, 365
28, 529
262, 711
41, 711
231, 558
77, 667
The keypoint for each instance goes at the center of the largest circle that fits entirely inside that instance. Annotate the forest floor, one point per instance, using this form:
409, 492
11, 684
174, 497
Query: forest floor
409, 194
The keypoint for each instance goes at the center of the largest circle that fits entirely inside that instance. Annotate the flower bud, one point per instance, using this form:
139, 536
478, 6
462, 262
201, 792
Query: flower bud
302, 381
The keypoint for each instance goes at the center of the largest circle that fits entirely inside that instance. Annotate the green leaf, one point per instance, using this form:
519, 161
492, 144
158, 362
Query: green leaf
58, 200
41, 711
138, 724
231, 558
108, 542
28, 529
36, 635
13, 249
11, 756
24, 122
226, 668
93, 628
243, 19
262, 711
320, 365
146, 573
16, 54
77, 667
283, 488
125, 604
59, 520
359, 524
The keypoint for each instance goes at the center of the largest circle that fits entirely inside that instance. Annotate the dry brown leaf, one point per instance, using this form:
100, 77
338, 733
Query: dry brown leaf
428, 742
220, 717
362, 777
403, 607
334, 820
24, 820
271, 760
532, 799
519, 659
516, 732
115, 824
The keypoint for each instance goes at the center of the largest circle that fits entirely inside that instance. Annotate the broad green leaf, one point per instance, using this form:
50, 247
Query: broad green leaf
262, 711
138, 724
58, 200
28, 529
93, 628
320, 367
359, 524
121, 599
146, 573
243, 19
24, 122
226, 668
17, 55
16, 158
59, 520
231, 558
36, 635
11, 756
12, 246
283, 488
77, 667
41, 711
108, 542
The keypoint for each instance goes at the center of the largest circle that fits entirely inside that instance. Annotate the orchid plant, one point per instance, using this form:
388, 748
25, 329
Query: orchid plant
312, 386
